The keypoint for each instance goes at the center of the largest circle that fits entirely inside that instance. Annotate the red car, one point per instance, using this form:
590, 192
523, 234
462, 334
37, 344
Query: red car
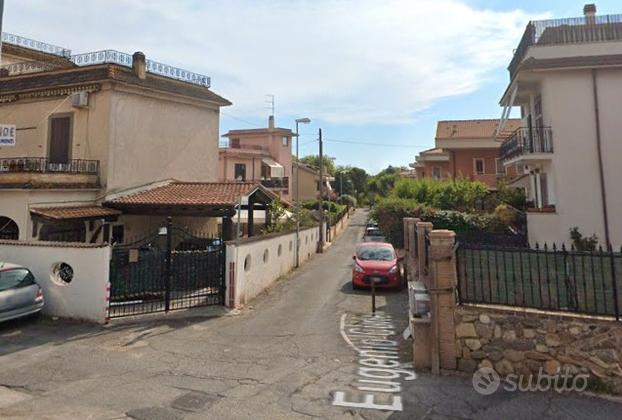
377, 262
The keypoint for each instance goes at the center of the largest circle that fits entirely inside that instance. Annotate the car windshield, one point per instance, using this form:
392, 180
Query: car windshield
15, 278
375, 254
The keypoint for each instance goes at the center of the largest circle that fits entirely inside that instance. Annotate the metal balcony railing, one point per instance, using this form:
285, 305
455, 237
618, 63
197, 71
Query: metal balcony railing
276, 183
44, 165
567, 31
527, 140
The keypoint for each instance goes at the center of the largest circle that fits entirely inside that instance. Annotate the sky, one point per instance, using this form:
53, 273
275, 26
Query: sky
380, 72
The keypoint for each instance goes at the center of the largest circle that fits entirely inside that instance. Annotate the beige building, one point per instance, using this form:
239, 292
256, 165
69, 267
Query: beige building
259, 155
92, 127
309, 181
566, 77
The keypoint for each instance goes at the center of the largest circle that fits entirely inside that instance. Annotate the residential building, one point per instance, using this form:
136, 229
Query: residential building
566, 78
465, 149
309, 181
96, 126
259, 155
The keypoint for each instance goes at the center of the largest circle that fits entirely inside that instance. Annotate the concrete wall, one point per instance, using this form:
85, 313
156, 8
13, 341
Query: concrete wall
246, 281
85, 297
155, 137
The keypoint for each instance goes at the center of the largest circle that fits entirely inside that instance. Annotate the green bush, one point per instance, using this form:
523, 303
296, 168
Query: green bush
458, 194
314, 204
347, 200
390, 212
515, 197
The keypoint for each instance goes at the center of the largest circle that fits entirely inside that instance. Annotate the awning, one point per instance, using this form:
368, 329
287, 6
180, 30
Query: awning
75, 213
276, 169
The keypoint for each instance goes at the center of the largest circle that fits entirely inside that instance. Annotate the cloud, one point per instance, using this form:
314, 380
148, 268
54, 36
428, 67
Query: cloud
349, 61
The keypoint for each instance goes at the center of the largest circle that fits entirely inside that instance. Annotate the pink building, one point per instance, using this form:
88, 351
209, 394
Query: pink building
261, 154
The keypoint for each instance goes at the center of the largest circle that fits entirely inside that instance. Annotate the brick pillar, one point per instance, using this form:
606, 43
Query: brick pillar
422, 228
412, 225
409, 223
442, 299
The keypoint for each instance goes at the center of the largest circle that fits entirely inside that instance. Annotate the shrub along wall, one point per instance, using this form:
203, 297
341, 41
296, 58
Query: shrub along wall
513, 342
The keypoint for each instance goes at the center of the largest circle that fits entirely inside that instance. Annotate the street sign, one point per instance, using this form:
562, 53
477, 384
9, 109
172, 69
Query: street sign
7, 135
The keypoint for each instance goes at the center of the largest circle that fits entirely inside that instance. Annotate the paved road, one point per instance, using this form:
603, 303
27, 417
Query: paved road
284, 357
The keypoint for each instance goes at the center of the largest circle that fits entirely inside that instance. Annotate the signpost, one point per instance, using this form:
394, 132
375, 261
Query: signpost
7, 135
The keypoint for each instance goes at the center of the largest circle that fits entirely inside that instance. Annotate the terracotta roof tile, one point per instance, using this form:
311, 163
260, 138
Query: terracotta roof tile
474, 129
81, 212
189, 194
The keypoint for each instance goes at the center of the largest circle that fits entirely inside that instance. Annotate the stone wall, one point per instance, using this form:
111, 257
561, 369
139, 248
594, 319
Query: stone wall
518, 342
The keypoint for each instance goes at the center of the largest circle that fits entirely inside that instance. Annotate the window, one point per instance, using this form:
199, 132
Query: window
15, 277
240, 172
59, 150
478, 166
234, 143
436, 172
286, 141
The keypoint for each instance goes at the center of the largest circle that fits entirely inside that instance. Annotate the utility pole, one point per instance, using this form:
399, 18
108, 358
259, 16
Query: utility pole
1, 13
320, 243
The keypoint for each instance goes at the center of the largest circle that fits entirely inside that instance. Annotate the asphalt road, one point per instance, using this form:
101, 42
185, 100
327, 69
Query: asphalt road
283, 357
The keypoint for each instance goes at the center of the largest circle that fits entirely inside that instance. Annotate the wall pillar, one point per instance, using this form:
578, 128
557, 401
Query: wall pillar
422, 229
442, 299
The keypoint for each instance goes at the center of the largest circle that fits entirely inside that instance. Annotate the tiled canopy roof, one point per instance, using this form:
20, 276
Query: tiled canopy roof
82, 212
436, 151
473, 129
190, 194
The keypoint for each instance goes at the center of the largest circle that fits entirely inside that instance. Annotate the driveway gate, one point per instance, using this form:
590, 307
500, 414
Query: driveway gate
170, 269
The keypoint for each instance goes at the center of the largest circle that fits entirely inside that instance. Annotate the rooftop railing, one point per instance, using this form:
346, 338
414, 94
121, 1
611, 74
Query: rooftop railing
124, 59
97, 57
567, 31
35, 45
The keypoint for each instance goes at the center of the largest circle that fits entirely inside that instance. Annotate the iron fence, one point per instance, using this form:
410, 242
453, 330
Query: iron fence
45, 165
548, 278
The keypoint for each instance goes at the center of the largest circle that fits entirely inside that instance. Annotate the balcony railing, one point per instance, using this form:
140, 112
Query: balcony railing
527, 140
44, 165
276, 183
567, 31
257, 147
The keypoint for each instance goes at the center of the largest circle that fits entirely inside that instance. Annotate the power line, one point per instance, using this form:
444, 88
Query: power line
371, 144
252, 124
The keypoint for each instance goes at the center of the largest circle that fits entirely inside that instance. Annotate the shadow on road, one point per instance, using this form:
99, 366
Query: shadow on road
24, 333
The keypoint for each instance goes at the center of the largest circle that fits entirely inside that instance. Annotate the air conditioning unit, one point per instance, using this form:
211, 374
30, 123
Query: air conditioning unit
80, 99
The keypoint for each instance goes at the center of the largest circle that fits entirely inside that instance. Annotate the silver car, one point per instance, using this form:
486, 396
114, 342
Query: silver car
20, 295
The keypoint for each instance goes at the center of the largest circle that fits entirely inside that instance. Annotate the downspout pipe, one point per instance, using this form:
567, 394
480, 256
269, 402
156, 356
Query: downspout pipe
601, 173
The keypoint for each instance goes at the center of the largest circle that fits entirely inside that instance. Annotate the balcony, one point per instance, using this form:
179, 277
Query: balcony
35, 172
534, 143
252, 148
276, 183
577, 30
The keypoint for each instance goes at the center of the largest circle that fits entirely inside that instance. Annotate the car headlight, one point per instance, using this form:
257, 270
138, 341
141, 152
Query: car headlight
393, 269
358, 268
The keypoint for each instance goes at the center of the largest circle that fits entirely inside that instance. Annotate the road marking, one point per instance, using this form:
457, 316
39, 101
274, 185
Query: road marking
380, 370
342, 329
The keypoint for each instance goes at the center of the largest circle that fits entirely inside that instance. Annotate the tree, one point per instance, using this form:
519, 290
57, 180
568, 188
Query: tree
314, 160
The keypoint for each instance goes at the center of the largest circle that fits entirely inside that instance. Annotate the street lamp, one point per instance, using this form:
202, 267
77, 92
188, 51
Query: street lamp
298, 121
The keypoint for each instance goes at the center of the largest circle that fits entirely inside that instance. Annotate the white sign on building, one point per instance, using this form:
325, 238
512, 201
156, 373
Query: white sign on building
7, 135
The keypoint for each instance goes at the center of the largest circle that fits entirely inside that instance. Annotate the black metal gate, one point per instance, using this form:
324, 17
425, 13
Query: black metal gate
170, 269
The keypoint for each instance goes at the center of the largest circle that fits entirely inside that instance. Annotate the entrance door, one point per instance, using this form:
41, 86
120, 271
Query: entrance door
60, 140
